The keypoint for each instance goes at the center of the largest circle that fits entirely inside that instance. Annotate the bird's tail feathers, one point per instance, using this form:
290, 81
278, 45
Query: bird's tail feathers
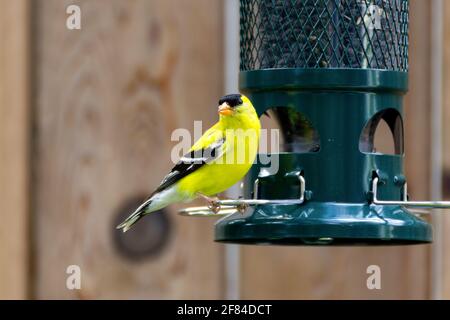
141, 211
156, 202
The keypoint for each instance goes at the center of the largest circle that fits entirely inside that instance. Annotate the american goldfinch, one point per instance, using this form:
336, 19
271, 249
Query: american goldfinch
219, 159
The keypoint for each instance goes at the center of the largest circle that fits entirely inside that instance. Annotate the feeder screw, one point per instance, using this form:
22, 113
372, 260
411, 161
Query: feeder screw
399, 180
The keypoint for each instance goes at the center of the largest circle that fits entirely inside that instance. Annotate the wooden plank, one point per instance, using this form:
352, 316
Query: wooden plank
416, 269
108, 97
445, 277
339, 272
14, 112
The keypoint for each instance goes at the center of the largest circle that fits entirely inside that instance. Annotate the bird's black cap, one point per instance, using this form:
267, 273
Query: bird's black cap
232, 100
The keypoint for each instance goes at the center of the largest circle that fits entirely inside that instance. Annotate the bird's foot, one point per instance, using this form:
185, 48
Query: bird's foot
214, 206
213, 202
241, 208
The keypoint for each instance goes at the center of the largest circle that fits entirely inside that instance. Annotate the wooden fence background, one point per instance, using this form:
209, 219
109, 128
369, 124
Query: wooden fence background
85, 123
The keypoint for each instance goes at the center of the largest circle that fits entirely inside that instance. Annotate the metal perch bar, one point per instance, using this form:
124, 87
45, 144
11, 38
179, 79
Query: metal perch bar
230, 206
405, 202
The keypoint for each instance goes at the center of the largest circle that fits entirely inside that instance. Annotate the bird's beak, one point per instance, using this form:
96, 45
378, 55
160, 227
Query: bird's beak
225, 109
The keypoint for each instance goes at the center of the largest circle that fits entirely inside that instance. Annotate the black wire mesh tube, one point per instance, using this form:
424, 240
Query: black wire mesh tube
357, 34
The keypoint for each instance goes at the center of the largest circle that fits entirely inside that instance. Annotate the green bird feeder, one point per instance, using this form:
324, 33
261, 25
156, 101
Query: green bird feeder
329, 71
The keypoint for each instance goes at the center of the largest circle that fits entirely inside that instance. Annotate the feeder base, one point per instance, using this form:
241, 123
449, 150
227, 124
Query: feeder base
330, 223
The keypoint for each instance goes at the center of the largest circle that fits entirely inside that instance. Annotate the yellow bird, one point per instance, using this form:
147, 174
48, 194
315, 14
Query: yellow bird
219, 159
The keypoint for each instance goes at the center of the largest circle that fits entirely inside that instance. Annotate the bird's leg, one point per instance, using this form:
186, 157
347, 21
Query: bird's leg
241, 208
213, 202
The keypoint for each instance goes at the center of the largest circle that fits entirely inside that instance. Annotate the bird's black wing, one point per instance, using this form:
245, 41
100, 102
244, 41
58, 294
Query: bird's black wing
191, 162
